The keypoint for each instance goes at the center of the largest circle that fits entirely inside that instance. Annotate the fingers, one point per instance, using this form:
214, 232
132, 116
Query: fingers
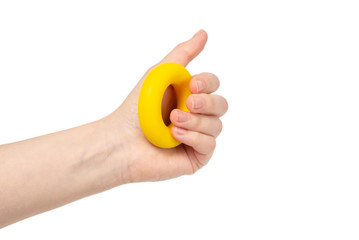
209, 104
209, 125
201, 143
185, 52
204, 83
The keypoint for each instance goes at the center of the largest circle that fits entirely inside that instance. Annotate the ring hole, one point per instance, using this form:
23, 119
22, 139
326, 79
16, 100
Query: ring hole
169, 102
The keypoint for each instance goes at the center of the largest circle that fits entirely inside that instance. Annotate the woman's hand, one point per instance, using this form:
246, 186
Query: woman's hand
197, 130
46, 172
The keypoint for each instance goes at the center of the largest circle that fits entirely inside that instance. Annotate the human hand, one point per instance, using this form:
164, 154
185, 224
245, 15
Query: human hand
197, 129
77, 162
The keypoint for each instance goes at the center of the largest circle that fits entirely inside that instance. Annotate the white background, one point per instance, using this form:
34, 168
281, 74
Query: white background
286, 165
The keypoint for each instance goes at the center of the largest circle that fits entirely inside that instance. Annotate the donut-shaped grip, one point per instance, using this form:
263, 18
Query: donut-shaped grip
150, 101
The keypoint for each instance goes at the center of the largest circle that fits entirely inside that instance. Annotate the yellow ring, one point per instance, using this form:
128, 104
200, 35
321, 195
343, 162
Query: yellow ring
150, 101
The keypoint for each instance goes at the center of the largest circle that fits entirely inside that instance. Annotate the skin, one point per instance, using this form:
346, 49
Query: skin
46, 172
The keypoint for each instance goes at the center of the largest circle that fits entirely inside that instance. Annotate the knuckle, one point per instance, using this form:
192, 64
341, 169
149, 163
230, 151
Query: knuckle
199, 102
212, 80
212, 144
180, 46
187, 52
192, 139
211, 101
222, 105
213, 76
197, 123
197, 138
220, 126
216, 82
207, 103
225, 105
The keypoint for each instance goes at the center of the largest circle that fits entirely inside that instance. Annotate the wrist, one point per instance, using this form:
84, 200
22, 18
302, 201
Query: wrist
118, 144
99, 165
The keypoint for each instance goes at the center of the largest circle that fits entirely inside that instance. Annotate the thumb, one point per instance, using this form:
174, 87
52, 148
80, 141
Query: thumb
185, 52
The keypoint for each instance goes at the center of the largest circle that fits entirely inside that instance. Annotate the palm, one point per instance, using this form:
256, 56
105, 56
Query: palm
150, 163
156, 163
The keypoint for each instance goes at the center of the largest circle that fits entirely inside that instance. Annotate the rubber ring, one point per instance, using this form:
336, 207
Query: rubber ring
150, 101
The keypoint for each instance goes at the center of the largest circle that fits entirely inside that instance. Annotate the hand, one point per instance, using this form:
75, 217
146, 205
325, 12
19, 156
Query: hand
197, 130
77, 162
74, 163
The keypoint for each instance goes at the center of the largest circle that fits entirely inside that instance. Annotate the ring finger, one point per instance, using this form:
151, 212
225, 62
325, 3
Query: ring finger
209, 125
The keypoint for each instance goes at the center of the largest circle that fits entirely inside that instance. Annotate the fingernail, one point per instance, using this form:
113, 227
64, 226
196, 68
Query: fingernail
200, 85
197, 103
180, 131
181, 116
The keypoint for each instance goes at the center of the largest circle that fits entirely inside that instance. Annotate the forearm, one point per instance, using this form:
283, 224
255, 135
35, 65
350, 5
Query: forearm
43, 173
